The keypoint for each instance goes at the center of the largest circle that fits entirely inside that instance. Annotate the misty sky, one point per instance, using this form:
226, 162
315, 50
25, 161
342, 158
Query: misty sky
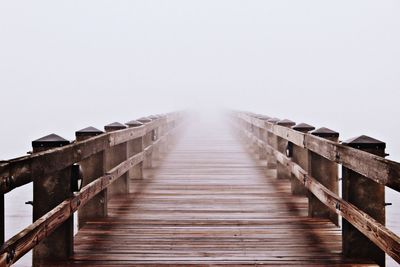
65, 65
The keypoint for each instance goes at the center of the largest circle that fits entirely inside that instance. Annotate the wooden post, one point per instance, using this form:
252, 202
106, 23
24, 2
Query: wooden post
282, 171
166, 133
263, 137
2, 221
256, 148
168, 129
273, 142
161, 134
154, 137
326, 172
147, 140
243, 125
368, 196
250, 143
114, 156
92, 169
49, 191
135, 146
300, 156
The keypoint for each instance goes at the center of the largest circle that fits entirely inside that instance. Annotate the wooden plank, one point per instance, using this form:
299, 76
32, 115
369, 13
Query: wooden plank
383, 237
209, 203
125, 135
382, 171
47, 162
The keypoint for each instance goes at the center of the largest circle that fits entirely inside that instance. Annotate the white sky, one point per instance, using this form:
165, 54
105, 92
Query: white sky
65, 65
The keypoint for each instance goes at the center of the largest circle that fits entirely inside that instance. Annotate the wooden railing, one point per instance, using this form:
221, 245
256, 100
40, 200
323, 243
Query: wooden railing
311, 161
106, 162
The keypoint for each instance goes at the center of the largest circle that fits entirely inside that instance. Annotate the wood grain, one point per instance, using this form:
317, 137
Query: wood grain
17, 172
383, 237
379, 169
209, 202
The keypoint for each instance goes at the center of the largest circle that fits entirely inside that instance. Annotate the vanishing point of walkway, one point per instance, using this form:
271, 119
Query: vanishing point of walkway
209, 202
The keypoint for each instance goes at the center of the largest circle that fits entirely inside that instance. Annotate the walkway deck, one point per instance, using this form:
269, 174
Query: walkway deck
209, 202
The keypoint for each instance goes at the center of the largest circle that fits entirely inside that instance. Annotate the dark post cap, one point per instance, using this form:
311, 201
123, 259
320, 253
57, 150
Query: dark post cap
88, 131
364, 141
303, 127
134, 123
263, 117
286, 123
144, 120
51, 140
273, 120
325, 132
115, 126
153, 117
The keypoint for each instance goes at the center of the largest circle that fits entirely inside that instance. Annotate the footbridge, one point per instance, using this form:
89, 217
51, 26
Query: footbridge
176, 189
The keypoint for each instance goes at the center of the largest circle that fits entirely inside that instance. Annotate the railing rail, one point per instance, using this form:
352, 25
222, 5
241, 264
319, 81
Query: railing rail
150, 137
373, 167
379, 169
18, 172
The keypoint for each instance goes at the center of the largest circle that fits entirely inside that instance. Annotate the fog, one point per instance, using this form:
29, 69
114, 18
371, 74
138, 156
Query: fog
65, 65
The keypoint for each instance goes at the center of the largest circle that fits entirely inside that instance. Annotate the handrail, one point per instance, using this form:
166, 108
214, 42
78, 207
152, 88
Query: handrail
21, 168
17, 172
379, 169
376, 168
24, 241
387, 240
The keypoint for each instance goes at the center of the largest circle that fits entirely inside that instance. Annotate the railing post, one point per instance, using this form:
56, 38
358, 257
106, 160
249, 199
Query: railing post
92, 168
48, 191
282, 171
161, 134
272, 140
2, 221
147, 140
154, 137
263, 137
301, 157
256, 133
326, 172
368, 196
251, 129
114, 156
134, 147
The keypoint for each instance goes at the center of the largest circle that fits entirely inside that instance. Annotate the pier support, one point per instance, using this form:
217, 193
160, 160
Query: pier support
135, 146
300, 156
263, 137
92, 168
114, 156
147, 140
2, 217
369, 196
282, 171
272, 140
325, 172
49, 190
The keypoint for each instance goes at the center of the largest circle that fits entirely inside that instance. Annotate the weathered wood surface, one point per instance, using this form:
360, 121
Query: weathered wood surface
383, 237
380, 170
209, 202
18, 172
24, 241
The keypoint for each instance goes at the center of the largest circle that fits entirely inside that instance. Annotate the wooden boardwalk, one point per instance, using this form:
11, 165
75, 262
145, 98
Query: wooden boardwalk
209, 202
